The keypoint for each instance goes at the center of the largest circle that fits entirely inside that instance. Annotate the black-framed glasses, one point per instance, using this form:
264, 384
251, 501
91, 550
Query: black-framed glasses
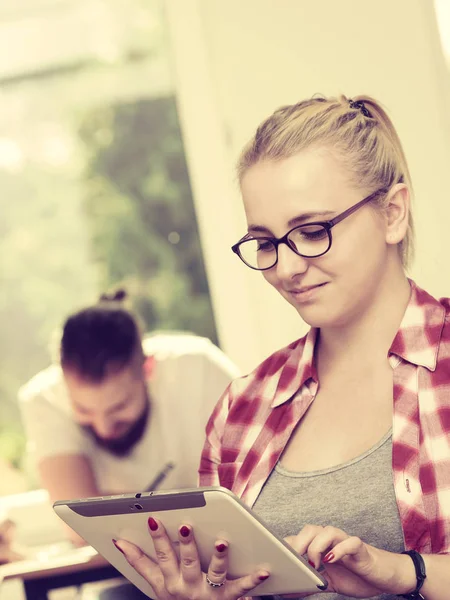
310, 240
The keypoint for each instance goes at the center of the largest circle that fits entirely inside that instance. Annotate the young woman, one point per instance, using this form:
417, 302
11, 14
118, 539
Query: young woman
340, 441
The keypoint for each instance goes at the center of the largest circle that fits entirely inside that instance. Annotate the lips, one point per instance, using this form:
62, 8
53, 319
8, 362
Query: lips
305, 288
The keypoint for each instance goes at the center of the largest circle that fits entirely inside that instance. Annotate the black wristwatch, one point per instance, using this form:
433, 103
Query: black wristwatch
421, 575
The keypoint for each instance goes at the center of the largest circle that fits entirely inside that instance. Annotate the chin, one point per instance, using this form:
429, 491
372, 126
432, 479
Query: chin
314, 320
115, 438
319, 316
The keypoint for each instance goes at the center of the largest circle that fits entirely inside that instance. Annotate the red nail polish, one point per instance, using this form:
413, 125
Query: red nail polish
221, 547
152, 524
118, 548
311, 563
328, 557
263, 577
184, 531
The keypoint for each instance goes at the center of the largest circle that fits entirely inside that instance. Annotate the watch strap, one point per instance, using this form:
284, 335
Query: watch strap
421, 575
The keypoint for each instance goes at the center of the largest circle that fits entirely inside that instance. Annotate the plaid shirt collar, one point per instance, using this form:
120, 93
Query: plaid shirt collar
417, 342
300, 360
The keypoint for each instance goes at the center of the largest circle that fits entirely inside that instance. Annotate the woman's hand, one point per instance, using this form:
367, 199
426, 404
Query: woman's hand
182, 579
352, 567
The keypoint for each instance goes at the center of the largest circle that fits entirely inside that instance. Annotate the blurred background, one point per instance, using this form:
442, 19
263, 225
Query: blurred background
95, 191
120, 123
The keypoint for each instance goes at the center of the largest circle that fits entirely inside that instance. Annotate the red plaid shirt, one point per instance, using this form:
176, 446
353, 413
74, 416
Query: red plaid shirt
256, 416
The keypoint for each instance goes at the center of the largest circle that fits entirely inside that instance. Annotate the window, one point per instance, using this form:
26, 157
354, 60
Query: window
442, 8
95, 189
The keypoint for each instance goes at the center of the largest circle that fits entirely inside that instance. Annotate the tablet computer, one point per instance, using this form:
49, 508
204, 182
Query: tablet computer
213, 513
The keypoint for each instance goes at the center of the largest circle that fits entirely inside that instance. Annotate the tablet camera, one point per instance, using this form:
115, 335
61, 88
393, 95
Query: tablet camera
138, 506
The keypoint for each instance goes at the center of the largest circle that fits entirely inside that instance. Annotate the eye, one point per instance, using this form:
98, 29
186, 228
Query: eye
264, 245
311, 233
119, 407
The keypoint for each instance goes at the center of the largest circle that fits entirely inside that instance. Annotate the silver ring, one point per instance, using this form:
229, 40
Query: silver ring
214, 585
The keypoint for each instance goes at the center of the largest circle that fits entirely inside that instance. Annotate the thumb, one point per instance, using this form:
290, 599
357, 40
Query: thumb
240, 587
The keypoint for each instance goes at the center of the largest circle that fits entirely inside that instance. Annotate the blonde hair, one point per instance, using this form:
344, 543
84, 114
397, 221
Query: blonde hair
358, 131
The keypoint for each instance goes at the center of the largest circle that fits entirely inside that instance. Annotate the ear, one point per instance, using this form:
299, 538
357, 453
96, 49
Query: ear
148, 367
397, 214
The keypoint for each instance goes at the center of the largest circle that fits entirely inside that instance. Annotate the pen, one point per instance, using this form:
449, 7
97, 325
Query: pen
160, 477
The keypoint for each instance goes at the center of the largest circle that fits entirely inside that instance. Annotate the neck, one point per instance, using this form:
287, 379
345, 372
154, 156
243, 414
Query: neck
372, 332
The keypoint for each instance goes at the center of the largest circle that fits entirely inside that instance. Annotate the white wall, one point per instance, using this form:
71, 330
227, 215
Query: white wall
236, 61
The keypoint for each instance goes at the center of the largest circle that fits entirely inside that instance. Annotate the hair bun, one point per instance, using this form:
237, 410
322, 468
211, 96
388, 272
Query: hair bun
118, 296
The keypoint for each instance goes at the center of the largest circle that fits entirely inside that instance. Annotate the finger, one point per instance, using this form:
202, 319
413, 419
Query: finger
303, 539
352, 546
189, 559
242, 586
322, 543
142, 563
218, 567
165, 554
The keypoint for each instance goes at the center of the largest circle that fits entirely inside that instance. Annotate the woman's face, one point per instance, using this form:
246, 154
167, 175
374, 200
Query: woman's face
335, 288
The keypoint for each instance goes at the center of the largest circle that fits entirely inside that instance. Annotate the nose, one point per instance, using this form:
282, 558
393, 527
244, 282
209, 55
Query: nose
104, 428
289, 263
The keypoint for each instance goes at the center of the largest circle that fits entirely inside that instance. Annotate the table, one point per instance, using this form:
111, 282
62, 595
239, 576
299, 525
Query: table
82, 565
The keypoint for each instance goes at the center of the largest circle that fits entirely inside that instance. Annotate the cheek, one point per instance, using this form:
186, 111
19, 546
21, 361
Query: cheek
271, 277
82, 419
133, 411
359, 251
125, 417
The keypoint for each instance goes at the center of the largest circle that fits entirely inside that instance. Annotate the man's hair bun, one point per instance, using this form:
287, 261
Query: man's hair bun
117, 296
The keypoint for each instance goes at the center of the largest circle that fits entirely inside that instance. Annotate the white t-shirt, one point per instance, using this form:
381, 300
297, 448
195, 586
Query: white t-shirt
188, 377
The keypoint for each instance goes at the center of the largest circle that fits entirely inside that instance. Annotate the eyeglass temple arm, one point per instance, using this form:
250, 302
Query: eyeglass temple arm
354, 208
244, 238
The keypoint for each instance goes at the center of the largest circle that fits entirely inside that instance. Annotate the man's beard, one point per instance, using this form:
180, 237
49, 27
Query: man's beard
123, 445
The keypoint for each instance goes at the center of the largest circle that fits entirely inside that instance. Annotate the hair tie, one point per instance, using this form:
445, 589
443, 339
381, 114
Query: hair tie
118, 296
360, 106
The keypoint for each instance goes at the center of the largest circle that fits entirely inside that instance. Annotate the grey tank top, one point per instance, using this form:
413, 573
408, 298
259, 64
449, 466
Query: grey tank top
357, 496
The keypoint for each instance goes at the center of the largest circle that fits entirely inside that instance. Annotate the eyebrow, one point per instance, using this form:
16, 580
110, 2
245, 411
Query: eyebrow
311, 216
117, 406
110, 409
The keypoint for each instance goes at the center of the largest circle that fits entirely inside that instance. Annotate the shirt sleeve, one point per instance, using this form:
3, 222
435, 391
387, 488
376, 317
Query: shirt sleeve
49, 430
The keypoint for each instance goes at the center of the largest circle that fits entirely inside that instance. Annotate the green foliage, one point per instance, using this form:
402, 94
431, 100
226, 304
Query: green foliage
138, 203
12, 446
42, 278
